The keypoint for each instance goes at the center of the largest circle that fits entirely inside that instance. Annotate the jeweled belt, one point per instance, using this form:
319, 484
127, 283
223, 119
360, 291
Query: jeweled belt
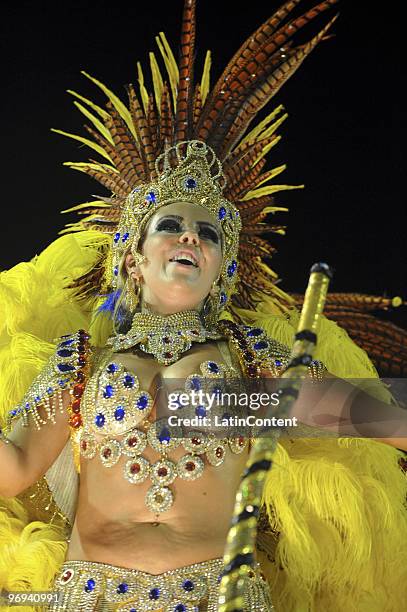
88, 586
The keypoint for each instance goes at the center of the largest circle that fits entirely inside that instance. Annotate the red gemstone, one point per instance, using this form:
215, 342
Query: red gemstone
194, 332
106, 453
66, 575
252, 370
162, 471
84, 445
168, 355
81, 349
166, 340
135, 468
76, 421
132, 441
241, 440
248, 356
190, 466
76, 406
81, 362
219, 452
80, 376
78, 390
195, 441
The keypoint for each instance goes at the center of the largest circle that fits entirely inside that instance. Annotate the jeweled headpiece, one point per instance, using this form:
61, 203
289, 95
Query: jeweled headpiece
188, 142
191, 172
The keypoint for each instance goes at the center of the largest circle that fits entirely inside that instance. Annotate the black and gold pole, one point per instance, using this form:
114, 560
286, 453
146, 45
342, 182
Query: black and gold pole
239, 556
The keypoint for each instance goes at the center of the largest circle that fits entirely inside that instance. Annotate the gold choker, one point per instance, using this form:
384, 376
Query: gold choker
164, 336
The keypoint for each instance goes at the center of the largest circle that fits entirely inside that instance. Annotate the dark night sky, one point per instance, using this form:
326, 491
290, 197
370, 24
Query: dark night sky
342, 139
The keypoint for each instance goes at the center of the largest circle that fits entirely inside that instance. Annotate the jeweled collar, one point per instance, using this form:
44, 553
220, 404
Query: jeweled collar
164, 336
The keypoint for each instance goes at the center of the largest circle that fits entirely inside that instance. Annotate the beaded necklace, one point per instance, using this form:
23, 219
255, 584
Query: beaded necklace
165, 337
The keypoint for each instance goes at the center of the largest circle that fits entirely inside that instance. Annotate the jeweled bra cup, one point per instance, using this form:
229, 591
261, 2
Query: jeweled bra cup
114, 405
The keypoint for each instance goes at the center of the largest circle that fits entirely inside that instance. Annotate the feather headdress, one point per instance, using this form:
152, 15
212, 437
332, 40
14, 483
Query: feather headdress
130, 138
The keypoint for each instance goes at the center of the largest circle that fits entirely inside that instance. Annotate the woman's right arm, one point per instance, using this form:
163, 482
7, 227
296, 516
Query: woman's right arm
28, 452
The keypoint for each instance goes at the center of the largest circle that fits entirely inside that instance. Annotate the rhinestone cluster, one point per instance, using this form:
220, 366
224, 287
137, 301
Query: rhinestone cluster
66, 370
100, 416
165, 337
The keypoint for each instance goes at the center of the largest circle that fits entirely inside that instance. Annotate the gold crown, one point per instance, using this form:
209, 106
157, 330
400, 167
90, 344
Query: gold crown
188, 172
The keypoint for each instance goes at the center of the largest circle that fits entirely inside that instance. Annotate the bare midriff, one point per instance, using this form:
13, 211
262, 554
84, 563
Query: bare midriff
113, 524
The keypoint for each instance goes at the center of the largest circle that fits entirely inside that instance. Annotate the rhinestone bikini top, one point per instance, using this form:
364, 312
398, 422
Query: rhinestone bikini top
114, 405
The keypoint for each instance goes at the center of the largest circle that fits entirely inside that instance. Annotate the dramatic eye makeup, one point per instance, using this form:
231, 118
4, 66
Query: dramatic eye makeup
174, 223
168, 224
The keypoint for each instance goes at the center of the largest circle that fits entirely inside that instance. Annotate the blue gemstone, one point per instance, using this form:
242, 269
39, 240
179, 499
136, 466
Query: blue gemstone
65, 353
67, 342
112, 368
27, 406
226, 416
125, 237
116, 270
237, 213
37, 398
90, 585
50, 390
260, 345
119, 413
188, 585
154, 593
128, 381
180, 608
256, 331
190, 183
123, 588
65, 367
142, 402
151, 197
164, 435
278, 362
100, 420
200, 411
195, 383
223, 297
222, 212
63, 382
108, 392
232, 268
116, 237
132, 610
213, 367
13, 412
217, 391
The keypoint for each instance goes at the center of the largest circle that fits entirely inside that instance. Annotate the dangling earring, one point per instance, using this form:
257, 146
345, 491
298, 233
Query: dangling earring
138, 257
212, 306
132, 293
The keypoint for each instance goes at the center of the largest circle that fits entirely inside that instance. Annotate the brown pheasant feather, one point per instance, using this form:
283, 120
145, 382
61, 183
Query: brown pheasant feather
184, 119
125, 146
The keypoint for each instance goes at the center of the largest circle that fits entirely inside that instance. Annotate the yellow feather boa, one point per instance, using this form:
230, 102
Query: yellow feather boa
338, 504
